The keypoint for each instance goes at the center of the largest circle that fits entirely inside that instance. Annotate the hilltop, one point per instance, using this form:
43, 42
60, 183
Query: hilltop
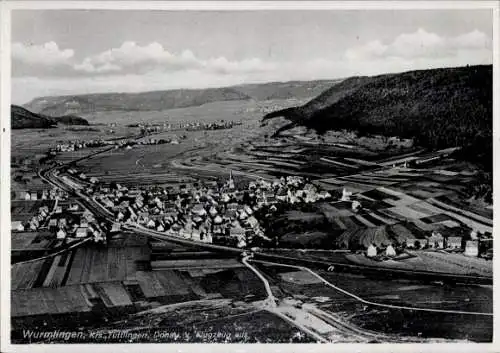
170, 99
437, 108
22, 118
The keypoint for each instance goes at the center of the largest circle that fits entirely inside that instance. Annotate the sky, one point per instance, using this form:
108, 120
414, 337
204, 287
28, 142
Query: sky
59, 52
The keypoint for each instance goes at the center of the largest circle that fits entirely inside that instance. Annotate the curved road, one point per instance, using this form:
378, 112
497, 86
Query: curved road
352, 295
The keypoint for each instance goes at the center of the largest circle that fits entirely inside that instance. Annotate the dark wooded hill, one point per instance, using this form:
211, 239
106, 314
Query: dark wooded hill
22, 118
438, 108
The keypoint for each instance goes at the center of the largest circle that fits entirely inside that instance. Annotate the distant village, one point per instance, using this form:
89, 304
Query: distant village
189, 126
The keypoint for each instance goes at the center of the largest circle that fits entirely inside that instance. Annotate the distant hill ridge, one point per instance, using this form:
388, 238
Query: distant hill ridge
22, 118
178, 98
437, 107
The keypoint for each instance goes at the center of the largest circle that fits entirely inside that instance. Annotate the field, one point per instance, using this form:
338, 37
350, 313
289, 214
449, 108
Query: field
91, 265
396, 292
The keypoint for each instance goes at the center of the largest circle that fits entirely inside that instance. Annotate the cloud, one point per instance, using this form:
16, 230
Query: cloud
46, 69
131, 58
422, 44
47, 54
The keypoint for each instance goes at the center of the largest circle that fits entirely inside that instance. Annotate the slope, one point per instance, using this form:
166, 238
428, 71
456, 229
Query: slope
438, 108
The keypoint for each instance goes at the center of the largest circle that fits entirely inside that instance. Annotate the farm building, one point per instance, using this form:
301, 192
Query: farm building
52, 223
346, 195
436, 241
61, 234
472, 248
371, 251
81, 232
454, 242
389, 251
17, 226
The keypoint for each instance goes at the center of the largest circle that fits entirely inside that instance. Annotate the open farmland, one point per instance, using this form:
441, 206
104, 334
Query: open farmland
91, 265
396, 292
432, 261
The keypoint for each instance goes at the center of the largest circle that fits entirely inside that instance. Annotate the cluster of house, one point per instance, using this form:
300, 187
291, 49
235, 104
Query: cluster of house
208, 212
52, 194
436, 240
209, 126
78, 145
76, 224
63, 221
34, 223
152, 141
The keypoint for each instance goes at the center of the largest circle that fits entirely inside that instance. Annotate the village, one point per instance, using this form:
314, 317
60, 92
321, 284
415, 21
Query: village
223, 213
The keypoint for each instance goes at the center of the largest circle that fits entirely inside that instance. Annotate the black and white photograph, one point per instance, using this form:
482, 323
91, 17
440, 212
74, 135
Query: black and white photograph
243, 175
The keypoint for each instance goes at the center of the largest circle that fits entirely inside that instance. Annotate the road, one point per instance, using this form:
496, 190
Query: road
390, 306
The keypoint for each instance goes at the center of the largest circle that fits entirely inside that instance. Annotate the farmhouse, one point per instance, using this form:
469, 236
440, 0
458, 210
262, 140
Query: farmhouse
454, 242
61, 234
371, 251
52, 223
17, 226
81, 232
436, 241
389, 251
472, 248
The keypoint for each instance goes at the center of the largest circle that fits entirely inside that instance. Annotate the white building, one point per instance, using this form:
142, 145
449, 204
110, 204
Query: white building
81, 232
346, 195
61, 234
17, 226
389, 251
371, 251
472, 248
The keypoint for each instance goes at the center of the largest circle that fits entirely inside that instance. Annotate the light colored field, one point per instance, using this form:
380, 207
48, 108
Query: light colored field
58, 274
408, 213
464, 264
299, 277
196, 263
432, 261
113, 294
